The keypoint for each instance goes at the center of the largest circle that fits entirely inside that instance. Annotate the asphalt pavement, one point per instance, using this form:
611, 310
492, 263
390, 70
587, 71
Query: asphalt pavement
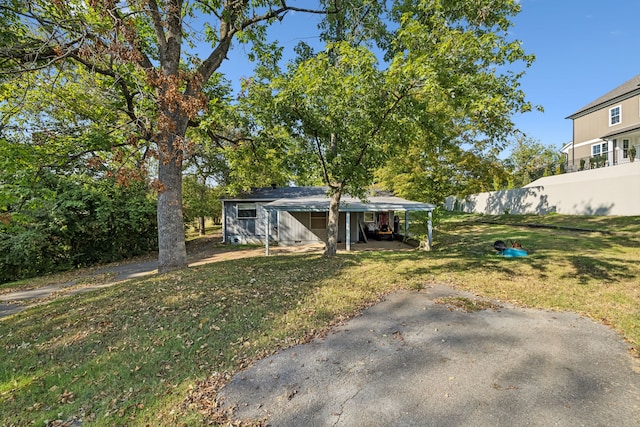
411, 361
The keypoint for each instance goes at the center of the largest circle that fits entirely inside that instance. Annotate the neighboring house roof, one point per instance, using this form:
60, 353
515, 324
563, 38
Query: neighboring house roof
625, 90
621, 131
565, 148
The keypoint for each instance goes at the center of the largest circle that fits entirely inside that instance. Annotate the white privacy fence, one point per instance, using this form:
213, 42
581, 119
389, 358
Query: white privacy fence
605, 191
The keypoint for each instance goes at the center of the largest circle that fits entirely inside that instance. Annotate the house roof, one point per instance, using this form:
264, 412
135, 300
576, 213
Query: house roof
305, 199
621, 131
348, 204
565, 147
625, 90
268, 194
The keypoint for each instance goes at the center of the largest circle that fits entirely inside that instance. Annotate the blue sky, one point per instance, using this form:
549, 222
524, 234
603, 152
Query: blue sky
583, 49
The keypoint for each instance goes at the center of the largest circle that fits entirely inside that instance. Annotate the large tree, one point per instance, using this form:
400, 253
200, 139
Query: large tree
144, 52
443, 90
466, 63
339, 107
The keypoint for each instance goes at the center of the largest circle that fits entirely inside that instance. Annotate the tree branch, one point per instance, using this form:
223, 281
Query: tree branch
402, 95
234, 141
228, 30
154, 11
325, 170
35, 55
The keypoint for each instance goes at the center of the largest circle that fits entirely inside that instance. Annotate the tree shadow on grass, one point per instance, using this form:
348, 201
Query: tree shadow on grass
589, 268
120, 351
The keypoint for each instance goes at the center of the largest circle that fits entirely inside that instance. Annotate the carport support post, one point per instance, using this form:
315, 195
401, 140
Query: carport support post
267, 226
348, 230
406, 225
430, 230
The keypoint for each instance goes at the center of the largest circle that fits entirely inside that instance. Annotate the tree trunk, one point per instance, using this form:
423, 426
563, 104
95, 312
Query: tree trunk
202, 231
332, 226
172, 252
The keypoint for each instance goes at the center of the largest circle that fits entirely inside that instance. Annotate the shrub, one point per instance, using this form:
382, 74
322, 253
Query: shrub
72, 221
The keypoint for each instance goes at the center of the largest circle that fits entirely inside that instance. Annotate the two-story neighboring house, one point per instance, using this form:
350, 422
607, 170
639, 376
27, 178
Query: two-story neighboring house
605, 129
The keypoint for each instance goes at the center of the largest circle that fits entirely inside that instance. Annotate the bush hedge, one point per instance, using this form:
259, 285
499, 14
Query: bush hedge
65, 222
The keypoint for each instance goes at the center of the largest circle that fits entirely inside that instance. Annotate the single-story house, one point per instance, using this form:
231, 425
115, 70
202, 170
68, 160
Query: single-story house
299, 215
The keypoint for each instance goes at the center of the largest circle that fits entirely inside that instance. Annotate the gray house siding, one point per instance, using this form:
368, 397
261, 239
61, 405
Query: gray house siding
298, 215
246, 230
287, 228
294, 228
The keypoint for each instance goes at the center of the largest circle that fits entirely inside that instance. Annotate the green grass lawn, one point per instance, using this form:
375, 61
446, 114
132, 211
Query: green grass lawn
153, 351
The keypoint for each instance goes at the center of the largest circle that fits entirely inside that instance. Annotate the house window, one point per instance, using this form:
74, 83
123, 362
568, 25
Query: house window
247, 210
369, 217
318, 220
598, 149
625, 148
615, 115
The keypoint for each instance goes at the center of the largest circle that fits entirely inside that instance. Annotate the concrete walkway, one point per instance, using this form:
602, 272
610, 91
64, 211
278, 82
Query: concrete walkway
15, 302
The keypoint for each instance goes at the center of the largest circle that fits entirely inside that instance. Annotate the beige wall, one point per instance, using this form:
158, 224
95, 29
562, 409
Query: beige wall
596, 124
606, 191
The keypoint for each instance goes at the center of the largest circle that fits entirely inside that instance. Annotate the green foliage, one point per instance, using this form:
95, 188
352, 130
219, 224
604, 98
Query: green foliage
143, 63
62, 222
130, 90
430, 171
530, 160
459, 117
199, 200
338, 106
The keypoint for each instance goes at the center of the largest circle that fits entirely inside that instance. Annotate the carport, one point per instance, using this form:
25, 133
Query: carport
349, 205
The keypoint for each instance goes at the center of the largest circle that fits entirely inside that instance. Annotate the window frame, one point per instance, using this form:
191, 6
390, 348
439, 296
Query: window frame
318, 216
625, 148
618, 115
242, 207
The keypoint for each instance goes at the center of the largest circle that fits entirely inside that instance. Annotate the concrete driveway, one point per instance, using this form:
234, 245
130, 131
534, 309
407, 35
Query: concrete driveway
414, 361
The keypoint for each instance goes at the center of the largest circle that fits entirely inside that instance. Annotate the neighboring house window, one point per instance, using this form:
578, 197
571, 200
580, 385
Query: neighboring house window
615, 115
598, 149
247, 210
318, 220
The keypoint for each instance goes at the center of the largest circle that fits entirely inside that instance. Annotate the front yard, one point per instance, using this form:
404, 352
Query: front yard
152, 351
